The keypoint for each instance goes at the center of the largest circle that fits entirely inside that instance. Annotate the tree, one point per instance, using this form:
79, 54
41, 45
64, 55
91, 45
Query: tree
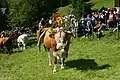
27, 12
3, 14
81, 7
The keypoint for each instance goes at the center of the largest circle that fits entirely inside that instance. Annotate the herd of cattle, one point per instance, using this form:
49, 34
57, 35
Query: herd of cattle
55, 43
56, 40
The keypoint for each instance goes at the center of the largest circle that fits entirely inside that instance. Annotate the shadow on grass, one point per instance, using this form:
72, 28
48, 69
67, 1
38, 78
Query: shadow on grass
17, 51
85, 64
13, 52
32, 42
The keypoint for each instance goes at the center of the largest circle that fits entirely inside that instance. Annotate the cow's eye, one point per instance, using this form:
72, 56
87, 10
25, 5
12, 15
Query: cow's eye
64, 41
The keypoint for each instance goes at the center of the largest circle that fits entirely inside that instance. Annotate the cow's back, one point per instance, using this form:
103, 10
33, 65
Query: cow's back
3, 41
47, 40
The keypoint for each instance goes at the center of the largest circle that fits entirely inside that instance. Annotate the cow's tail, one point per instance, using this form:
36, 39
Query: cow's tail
39, 40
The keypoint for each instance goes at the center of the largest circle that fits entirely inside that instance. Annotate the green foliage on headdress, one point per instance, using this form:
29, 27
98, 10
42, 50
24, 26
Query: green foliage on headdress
66, 24
53, 25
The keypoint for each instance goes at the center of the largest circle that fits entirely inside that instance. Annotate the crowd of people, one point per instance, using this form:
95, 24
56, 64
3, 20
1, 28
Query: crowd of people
59, 22
106, 18
54, 21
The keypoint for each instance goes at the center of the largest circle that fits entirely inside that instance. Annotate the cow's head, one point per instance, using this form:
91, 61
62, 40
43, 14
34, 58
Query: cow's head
63, 40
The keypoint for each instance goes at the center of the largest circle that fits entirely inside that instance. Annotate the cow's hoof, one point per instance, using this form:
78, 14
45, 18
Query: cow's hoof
54, 71
62, 67
37, 45
50, 64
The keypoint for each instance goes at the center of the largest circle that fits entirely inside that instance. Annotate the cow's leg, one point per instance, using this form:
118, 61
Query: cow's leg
62, 63
23, 43
24, 46
55, 61
49, 57
58, 59
19, 45
55, 65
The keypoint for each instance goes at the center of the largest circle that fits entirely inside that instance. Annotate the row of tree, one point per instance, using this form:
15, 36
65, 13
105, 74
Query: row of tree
3, 16
81, 8
27, 12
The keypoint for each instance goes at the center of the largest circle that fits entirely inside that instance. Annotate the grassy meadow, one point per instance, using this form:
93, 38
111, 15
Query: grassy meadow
88, 60
98, 4
105, 3
64, 10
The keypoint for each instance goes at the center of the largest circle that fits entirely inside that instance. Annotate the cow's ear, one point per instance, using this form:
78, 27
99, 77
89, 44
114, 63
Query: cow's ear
67, 31
70, 33
51, 35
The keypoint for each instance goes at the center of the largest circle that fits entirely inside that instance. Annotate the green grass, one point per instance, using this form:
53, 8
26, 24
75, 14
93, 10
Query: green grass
64, 10
98, 5
88, 60
105, 3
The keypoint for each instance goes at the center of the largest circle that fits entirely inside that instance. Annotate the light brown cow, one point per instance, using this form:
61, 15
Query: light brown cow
57, 44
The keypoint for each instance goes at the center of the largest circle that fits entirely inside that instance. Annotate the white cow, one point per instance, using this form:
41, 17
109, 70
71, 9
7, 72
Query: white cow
22, 41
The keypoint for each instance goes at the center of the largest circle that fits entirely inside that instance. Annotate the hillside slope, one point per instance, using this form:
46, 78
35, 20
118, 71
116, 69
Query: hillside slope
88, 60
97, 5
64, 10
100, 3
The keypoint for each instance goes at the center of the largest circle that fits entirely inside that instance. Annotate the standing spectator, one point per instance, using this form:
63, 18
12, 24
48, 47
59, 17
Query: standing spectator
50, 21
112, 19
41, 23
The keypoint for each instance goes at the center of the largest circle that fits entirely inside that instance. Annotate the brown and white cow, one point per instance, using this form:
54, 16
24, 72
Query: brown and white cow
57, 45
